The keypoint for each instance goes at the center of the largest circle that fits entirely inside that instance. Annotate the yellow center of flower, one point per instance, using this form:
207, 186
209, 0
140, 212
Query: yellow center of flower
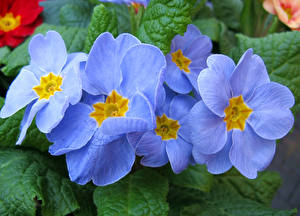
136, 6
9, 22
236, 113
181, 61
114, 106
48, 86
288, 10
166, 128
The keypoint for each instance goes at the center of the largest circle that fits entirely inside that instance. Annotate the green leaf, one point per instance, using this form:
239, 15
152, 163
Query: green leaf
19, 57
163, 19
123, 17
77, 15
84, 195
26, 177
142, 193
4, 51
103, 20
10, 129
281, 54
195, 177
228, 11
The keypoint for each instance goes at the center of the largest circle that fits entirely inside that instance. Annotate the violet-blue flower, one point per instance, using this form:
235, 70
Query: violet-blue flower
47, 85
169, 141
240, 117
122, 79
186, 59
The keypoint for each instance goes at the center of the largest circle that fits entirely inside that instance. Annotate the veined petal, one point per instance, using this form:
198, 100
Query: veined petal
50, 116
152, 149
103, 64
48, 53
271, 117
181, 42
250, 153
179, 153
249, 74
180, 106
74, 131
208, 131
20, 93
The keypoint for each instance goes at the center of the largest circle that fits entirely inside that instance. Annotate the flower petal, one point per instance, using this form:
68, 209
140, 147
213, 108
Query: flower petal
213, 83
20, 93
153, 150
249, 74
180, 106
179, 153
216, 163
271, 117
208, 131
50, 116
48, 53
181, 42
142, 69
250, 153
103, 64
29, 114
74, 131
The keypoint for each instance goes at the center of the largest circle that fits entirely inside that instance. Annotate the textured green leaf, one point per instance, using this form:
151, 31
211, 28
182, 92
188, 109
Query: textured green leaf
195, 177
142, 193
27, 176
10, 129
228, 11
211, 27
4, 51
84, 196
123, 16
163, 19
103, 20
281, 54
73, 37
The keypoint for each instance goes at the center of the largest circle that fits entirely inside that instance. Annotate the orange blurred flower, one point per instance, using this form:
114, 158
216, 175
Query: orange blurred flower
288, 11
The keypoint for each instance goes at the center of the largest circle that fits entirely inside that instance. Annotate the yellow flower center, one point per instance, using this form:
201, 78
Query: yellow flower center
181, 61
114, 106
166, 128
9, 22
48, 86
136, 6
236, 113
287, 9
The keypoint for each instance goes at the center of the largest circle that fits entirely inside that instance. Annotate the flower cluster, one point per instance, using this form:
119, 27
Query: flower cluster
126, 98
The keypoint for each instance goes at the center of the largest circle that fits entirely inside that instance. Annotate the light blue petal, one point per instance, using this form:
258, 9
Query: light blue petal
166, 105
175, 78
134, 138
179, 153
29, 114
142, 69
20, 93
271, 117
213, 83
74, 131
250, 153
48, 53
153, 150
208, 131
104, 164
50, 116
72, 84
92, 99
185, 130
180, 106
103, 64
216, 163
249, 74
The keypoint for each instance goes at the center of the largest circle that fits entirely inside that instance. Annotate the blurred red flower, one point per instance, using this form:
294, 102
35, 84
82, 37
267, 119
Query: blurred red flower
18, 19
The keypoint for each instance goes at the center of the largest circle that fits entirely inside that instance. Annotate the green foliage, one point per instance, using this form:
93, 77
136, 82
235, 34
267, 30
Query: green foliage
142, 193
164, 19
73, 37
228, 11
281, 54
103, 20
4, 51
123, 17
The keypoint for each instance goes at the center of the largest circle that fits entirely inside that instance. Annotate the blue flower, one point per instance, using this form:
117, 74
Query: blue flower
47, 85
186, 59
240, 117
128, 2
122, 81
169, 140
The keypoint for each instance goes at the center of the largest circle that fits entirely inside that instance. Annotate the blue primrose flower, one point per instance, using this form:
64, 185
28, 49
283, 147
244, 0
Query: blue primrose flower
128, 2
240, 117
169, 141
186, 59
47, 85
122, 81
